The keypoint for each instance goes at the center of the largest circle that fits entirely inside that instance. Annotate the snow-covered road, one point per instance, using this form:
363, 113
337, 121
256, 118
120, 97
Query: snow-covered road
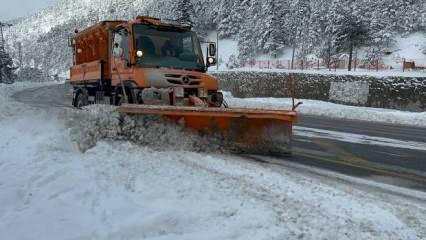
119, 190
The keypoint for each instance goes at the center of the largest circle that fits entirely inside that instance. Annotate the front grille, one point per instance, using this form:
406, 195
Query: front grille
174, 81
172, 75
194, 77
177, 79
190, 92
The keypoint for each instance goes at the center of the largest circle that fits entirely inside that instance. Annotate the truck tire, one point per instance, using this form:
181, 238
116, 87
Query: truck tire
118, 97
81, 100
217, 100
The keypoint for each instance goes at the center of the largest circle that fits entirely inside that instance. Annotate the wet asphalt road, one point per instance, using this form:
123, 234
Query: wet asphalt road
402, 163
396, 155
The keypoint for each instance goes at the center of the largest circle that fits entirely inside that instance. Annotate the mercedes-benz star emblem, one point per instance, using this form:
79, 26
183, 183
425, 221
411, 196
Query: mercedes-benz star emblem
185, 79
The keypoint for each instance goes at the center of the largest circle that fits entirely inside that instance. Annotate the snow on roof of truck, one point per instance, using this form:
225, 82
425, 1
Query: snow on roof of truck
100, 25
164, 22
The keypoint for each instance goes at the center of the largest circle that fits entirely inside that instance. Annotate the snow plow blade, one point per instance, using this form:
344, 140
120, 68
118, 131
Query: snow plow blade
244, 130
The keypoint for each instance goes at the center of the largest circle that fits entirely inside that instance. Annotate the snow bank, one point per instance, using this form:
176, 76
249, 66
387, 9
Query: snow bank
407, 94
102, 122
338, 72
320, 108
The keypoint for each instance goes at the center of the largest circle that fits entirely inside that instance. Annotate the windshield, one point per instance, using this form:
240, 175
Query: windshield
168, 47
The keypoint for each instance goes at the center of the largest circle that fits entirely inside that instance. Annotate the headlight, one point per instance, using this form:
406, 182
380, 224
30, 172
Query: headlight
139, 53
211, 60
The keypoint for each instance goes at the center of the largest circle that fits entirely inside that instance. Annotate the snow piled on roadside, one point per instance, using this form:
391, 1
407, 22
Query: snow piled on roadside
102, 122
321, 108
120, 190
340, 72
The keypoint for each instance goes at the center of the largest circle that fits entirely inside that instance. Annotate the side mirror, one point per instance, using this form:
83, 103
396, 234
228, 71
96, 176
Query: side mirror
71, 41
211, 55
212, 49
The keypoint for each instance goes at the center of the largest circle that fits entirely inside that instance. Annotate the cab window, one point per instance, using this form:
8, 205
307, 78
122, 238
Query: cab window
121, 44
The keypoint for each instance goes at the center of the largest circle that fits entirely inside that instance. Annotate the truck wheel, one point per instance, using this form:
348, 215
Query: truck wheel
118, 99
81, 100
217, 99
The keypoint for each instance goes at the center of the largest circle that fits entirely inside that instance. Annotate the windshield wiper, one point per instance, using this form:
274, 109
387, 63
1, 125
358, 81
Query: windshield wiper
194, 69
188, 69
201, 69
170, 28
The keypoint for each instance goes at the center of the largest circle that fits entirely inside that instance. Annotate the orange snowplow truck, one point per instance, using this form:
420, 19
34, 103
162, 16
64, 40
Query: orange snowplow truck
148, 66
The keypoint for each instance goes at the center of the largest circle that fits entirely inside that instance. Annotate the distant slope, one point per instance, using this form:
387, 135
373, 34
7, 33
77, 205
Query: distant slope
267, 27
44, 36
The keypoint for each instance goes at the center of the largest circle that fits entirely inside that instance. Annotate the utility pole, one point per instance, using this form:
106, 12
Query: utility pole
217, 49
20, 54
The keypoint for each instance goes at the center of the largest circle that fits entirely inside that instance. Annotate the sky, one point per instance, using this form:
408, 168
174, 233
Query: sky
10, 9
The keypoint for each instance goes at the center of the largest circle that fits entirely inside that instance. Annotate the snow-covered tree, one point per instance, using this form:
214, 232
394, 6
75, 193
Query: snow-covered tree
30, 74
247, 43
7, 69
226, 18
348, 30
205, 15
182, 11
271, 33
297, 25
321, 27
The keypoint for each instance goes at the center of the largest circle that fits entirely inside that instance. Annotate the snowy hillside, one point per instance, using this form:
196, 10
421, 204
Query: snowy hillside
408, 47
260, 28
44, 36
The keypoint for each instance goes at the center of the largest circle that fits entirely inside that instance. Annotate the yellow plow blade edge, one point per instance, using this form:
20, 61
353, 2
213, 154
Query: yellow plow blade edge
250, 130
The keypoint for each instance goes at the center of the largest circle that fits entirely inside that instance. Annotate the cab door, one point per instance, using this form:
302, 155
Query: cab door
121, 69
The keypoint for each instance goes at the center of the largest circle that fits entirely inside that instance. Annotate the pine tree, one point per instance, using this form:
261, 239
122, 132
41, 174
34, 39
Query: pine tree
30, 74
204, 15
182, 11
272, 34
246, 36
231, 17
6, 67
317, 39
350, 30
225, 18
298, 20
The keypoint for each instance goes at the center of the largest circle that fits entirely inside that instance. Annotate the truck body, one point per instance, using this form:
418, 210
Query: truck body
142, 61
